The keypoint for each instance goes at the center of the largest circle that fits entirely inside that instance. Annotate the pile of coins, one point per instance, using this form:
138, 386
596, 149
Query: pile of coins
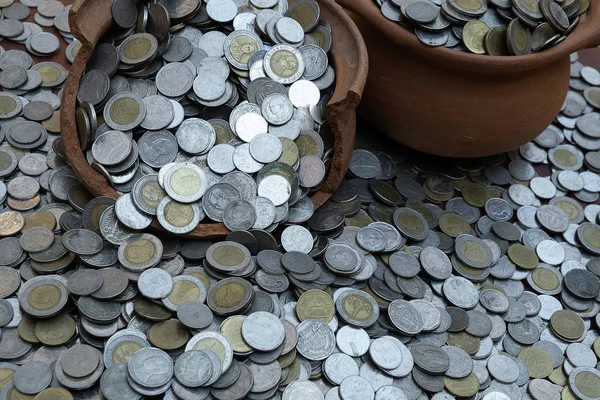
421, 278
497, 27
217, 124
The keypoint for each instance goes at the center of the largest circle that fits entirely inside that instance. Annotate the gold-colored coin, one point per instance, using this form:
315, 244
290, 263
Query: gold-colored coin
545, 279
124, 350
454, 225
44, 219
179, 214
558, 376
304, 14
596, 347
228, 255
523, 256
44, 297
422, 209
26, 329
473, 36
152, 193
124, 110
229, 295
566, 157
591, 235
470, 272
54, 393
290, 152
465, 341
382, 212
202, 277
495, 41
588, 383
287, 359
519, 38
568, 208
169, 335
151, 311
54, 266
14, 394
23, 205
293, 373
567, 394
56, 330
315, 304
184, 291
307, 146
475, 194
11, 222
223, 135
50, 73
360, 219
538, 361
6, 375
567, 324
464, 387
140, 251
584, 5
138, 48
52, 124
7, 105
231, 328
492, 286
185, 181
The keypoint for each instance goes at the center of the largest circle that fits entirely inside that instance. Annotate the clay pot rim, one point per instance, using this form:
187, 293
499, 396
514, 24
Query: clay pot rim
90, 19
586, 34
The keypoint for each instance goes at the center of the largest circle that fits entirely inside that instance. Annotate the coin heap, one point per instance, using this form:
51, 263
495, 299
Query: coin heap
421, 278
217, 122
497, 27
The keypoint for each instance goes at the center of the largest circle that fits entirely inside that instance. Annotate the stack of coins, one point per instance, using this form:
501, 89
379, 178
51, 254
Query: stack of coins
497, 27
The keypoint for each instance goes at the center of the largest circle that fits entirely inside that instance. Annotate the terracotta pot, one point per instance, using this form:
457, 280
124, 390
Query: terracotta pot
90, 19
456, 104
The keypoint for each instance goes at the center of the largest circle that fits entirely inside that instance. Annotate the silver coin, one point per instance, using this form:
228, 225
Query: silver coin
32, 377
155, 283
254, 327
150, 374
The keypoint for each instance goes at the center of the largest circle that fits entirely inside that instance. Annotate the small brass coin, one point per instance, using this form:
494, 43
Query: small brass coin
585, 383
523, 257
474, 34
39, 219
56, 330
567, 324
475, 194
465, 341
454, 225
495, 41
315, 304
54, 393
546, 279
26, 329
231, 328
538, 361
11, 222
151, 311
168, 335
559, 377
519, 38
464, 387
